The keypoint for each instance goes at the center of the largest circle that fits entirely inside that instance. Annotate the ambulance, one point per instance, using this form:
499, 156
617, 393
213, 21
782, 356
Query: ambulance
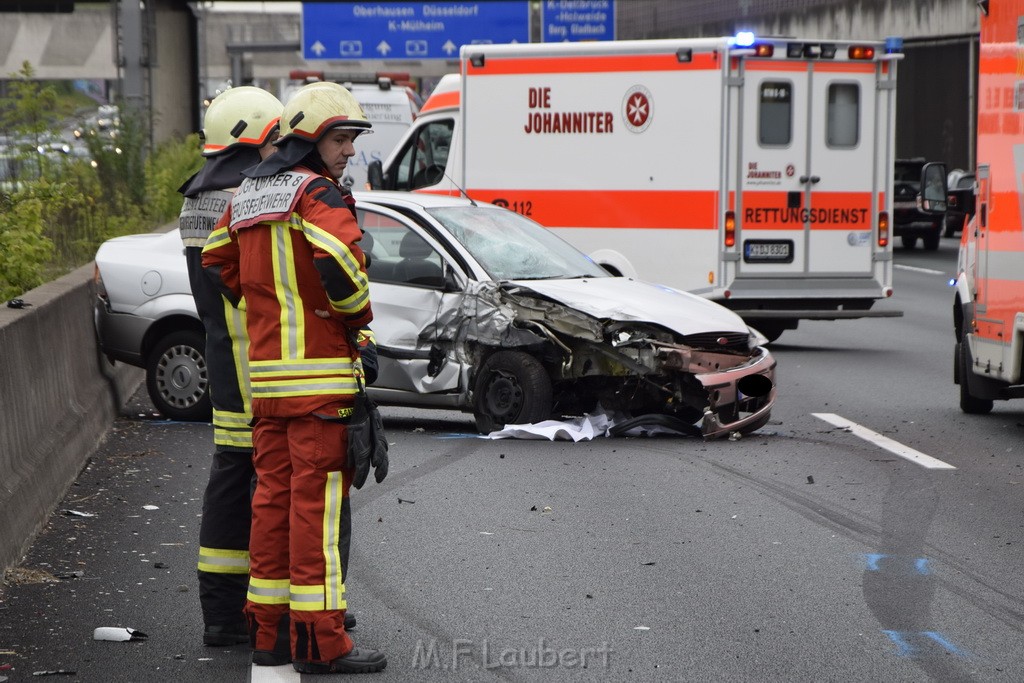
988, 309
756, 172
390, 103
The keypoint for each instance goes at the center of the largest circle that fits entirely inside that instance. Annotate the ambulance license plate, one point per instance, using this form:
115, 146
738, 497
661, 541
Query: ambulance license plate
768, 251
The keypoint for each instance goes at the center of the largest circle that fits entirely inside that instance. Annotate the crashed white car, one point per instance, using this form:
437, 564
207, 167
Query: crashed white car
479, 309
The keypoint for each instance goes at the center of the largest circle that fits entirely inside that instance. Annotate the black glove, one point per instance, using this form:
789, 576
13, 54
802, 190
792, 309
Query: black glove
379, 454
360, 441
367, 443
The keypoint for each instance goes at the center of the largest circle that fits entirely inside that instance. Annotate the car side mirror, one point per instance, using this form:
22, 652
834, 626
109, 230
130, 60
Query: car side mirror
375, 175
933, 187
451, 280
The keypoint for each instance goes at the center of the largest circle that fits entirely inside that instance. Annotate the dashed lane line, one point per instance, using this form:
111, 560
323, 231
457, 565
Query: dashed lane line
895, 447
916, 269
274, 674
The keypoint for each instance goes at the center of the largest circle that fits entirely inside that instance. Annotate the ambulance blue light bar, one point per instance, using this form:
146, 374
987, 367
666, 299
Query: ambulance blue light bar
744, 38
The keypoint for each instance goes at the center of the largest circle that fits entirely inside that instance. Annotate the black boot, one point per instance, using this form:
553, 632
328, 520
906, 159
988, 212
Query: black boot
225, 634
358, 661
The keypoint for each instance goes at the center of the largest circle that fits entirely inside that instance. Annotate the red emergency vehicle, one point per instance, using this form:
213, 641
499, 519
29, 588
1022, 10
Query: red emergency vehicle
988, 313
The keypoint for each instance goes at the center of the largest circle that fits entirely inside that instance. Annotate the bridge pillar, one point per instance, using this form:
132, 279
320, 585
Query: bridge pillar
156, 60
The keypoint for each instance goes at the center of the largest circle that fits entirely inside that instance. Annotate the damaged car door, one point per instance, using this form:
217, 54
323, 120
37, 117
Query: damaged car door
410, 283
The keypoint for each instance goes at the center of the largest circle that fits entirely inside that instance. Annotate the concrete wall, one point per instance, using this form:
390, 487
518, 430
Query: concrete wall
58, 398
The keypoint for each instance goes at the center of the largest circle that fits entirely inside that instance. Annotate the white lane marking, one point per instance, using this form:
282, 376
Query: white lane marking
927, 271
885, 442
274, 674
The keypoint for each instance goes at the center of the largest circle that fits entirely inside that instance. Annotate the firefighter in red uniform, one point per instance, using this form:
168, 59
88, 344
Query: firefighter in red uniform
238, 129
288, 245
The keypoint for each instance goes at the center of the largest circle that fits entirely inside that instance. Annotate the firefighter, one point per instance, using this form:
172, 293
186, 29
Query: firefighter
238, 129
287, 245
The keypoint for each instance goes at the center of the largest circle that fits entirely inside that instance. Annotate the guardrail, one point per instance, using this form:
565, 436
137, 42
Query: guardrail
58, 397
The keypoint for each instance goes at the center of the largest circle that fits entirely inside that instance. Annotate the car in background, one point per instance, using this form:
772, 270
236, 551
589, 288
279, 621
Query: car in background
477, 309
960, 189
914, 219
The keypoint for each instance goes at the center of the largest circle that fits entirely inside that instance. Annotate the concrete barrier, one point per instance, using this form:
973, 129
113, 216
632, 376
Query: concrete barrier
58, 398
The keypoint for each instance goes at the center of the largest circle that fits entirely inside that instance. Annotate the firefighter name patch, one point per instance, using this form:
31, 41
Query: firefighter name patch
269, 198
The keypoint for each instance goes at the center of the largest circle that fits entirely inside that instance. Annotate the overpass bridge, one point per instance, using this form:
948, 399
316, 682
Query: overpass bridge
171, 55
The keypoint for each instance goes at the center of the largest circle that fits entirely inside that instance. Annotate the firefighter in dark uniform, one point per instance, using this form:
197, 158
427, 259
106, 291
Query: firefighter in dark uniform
238, 129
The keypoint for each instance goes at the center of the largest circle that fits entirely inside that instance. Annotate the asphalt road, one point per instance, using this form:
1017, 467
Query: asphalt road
807, 552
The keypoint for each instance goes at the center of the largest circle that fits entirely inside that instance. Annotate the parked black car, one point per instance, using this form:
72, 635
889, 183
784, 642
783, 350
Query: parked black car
961, 201
915, 217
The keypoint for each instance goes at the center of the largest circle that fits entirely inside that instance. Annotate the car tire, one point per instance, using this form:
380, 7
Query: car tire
177, 378
950, 227
968, 404
908, 241
512, 387
931, 242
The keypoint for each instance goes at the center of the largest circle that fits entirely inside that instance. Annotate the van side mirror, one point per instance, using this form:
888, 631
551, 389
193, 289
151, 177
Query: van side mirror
934, 194
375, 174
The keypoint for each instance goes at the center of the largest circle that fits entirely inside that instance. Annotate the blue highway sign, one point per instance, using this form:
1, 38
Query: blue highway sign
575, 20
409, 30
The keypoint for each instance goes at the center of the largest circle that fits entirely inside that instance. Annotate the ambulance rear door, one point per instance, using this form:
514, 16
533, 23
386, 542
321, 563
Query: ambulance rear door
807, 168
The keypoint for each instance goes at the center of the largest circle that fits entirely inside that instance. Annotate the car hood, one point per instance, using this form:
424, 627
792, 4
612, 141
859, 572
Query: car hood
625, 299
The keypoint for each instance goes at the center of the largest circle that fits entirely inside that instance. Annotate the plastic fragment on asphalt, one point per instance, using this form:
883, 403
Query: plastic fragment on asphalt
150, 507
56, 672
641, 628
118, 634
77, 513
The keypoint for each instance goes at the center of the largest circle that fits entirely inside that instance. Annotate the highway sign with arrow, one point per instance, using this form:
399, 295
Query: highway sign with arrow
409, 30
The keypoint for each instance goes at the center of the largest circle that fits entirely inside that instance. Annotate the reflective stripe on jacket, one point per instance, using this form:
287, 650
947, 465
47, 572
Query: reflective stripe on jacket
292, 253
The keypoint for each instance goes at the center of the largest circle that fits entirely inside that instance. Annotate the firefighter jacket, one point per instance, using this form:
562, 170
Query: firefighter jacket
287, 245
226, 338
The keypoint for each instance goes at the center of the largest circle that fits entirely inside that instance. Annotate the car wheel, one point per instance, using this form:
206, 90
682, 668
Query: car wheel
512, 387
951, 227
969, 404
931, 242
909, 241
177, 377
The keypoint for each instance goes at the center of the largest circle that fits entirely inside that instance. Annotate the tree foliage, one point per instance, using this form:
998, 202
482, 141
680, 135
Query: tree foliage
57, 208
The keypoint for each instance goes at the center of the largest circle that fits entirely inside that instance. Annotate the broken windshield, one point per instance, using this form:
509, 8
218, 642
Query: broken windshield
511, 247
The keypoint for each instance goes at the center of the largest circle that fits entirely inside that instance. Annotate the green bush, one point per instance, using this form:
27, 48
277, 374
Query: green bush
56, 211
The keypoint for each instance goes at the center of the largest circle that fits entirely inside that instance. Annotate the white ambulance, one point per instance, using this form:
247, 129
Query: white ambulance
390, 104
988, 309
756, 172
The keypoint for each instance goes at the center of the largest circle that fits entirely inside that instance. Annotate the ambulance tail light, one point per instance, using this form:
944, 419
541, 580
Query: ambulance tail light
861, 52
883, 229
730, 228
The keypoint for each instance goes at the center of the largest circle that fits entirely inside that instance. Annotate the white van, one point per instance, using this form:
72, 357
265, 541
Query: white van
389, 106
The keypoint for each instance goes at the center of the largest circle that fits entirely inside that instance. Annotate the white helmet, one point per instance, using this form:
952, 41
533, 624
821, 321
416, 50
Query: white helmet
318, 107
243, 116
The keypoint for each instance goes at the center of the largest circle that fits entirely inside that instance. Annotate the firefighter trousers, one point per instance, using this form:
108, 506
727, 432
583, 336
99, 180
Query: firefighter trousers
224, 538
301, 529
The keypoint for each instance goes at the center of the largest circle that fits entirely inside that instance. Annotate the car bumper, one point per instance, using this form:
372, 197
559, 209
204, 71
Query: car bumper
741, 392
120, 335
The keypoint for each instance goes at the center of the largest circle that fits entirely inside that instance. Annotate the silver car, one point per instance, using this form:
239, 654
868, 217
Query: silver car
477, 309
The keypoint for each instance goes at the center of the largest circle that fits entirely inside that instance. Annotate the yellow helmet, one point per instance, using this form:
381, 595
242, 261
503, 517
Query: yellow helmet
243, 116
318, 107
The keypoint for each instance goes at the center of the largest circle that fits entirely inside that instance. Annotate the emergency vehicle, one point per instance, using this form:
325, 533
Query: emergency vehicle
390, 103
988, 311
756, 172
